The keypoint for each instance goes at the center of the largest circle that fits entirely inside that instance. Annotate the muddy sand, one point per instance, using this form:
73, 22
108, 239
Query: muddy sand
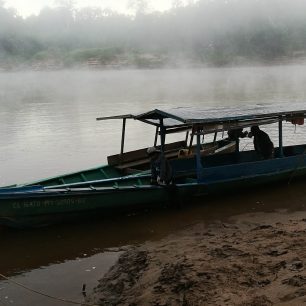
254, 259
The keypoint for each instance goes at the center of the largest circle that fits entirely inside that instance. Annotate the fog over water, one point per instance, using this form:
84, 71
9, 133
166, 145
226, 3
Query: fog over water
68, 65
190, 33
47, 119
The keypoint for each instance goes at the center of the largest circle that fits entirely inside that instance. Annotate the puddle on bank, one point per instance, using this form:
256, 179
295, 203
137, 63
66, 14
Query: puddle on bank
64, 280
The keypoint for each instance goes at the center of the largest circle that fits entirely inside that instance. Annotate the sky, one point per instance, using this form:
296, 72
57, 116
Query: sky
28, 7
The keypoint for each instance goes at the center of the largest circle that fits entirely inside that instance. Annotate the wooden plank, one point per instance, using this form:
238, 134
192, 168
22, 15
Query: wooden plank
115, 117
144, 161
226, 149
140, 154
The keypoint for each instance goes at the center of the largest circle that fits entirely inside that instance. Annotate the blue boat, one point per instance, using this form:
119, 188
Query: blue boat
199, 167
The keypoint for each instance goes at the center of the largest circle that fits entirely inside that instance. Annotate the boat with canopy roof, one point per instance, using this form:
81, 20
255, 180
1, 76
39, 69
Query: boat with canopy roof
200, 167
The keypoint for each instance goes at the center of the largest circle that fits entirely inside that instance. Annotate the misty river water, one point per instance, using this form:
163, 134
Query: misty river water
48, 127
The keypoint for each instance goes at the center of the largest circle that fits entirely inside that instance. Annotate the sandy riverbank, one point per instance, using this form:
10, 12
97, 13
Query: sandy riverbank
254, 259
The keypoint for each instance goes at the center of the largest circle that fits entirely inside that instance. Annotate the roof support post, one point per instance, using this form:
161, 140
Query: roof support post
123, 135
237, 145
198, 157
215, 137
162, 135
190, 142
156, 136
280, 137
186, 139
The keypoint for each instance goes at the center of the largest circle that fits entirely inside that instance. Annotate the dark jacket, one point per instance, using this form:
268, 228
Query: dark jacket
263, 144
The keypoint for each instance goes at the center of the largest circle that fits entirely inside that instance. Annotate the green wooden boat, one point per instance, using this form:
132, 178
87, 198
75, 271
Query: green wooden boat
198, 169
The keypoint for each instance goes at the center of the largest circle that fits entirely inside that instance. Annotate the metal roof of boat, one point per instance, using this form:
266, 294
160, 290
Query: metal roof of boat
217, 115
183, 116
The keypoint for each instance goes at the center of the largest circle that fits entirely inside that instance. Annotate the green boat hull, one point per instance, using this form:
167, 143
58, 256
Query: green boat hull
44, 210
23, 207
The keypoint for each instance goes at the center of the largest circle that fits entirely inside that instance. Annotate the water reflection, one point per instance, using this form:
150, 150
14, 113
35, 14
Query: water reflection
45, 246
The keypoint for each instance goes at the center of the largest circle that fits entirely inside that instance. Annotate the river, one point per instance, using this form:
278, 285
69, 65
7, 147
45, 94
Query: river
48, 127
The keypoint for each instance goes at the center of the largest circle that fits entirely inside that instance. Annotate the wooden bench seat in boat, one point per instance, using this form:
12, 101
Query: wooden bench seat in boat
208, 149
140, 157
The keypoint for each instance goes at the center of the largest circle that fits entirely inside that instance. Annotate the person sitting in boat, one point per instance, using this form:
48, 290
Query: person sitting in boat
161, 171
262, 143
235, 134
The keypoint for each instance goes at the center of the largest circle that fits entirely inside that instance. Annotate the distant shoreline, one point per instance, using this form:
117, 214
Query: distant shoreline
53, 66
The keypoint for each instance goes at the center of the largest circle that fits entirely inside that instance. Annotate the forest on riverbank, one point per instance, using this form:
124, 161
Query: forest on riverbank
201, 33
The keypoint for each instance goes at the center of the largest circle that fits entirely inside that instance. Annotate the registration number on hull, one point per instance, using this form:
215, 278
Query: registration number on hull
48, 203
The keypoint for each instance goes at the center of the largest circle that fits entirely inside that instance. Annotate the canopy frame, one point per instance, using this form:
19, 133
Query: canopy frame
168, 122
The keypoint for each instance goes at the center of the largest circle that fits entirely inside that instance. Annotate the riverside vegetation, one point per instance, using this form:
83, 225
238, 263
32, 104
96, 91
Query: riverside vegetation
213, 33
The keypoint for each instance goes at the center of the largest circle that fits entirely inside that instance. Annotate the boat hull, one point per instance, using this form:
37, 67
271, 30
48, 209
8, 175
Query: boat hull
38, 209
32, 206
42, 210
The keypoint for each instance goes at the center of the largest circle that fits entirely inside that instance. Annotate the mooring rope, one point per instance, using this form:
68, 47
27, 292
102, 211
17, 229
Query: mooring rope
44, 294
246, 145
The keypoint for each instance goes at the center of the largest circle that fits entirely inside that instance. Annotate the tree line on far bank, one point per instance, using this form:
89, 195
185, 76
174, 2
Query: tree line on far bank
205, 32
